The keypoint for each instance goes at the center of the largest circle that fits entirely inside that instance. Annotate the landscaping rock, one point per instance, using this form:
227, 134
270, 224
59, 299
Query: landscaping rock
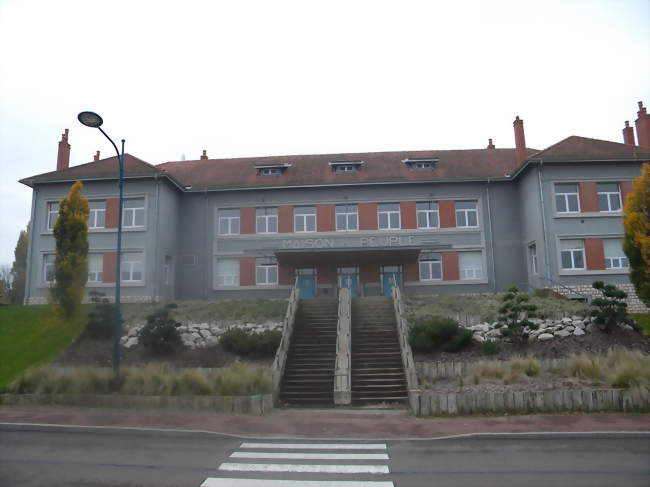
544, 336
578, 332
562, 333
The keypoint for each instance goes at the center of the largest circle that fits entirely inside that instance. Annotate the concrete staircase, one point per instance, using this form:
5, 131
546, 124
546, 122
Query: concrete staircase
377, 369
309, 372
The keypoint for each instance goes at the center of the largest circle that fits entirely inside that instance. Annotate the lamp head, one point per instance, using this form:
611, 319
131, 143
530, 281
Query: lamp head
90, 119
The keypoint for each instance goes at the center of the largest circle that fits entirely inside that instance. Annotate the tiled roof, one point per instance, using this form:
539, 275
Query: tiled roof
583, 148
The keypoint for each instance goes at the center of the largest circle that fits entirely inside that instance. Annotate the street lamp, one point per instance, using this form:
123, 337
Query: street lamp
91, 119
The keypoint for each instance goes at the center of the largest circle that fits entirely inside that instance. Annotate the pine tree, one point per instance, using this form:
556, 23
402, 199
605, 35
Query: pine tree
71, 262
19, 268
637, 234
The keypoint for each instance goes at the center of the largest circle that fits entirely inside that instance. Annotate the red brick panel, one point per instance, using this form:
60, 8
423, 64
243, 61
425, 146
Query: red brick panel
626, 189
326, 273
450, 267
286, 275
595, 254
447, 211
411, 271
325, 218
588, 195
109, 261
285, 219
112, 208
369, 273
367, 216
247, 271
247, 220
407, 210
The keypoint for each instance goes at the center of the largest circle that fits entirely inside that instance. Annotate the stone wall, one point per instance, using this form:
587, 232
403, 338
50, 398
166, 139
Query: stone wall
633, 302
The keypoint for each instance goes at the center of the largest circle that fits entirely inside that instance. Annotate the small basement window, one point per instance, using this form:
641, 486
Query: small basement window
272, 169
345, 167
420, 164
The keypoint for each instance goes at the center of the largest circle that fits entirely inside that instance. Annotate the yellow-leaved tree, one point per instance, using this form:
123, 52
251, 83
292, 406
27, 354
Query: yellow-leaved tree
637, 234
71, 262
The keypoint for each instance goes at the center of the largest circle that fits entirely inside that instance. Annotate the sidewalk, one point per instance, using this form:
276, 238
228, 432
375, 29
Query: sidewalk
326, 423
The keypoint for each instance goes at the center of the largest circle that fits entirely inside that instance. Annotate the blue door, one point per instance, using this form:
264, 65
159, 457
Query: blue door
351, 282
306, 284
389, 281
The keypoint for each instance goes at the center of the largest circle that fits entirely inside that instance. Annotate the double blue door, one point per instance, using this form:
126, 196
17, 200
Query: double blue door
389, 281
307, 286
351, 282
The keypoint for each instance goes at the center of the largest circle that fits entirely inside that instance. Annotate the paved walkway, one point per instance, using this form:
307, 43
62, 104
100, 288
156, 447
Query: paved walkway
326, 423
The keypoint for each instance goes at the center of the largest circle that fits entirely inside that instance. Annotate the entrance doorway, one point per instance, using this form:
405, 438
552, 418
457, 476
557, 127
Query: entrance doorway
306, 282
348, 278
391, 276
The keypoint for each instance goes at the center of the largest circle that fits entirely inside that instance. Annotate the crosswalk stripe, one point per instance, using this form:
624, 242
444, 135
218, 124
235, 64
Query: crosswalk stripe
310, 456
281, 467
316, 446
229, 482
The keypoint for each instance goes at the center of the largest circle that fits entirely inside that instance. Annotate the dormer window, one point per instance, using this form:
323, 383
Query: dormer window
345, 167
272, 169
420, 164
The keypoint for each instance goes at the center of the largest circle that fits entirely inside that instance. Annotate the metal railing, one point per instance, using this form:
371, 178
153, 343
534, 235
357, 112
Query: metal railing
405, 348
287, 331
343, 366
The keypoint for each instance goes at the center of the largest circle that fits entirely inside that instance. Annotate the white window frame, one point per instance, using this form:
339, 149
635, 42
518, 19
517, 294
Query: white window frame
265, 219
388, 214
307, 218
430, 213
430, 263
130, 262
93, 216
51, 219
616, 262
133, 212
95, 275
470, 273
267, 267
47, 265
269, 171
348, 216
565, 197
466, 212
230, 221
572, 252
228, 279
532, 252
609, 195
345, 168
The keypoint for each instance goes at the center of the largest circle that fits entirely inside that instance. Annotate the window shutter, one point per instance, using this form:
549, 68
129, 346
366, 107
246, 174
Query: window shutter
367, 216
247, 271
450, 267
112, 208
108, 265
247, 220
588, 194
407, 210
447, 214
595, 254
325, 218
285, 219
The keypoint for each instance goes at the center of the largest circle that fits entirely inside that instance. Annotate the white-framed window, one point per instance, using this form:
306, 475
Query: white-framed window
266, 220
95, 267
430, 267
229, 221
345, 168
48, 268
572, 254
609, 197
566, 198
228, 272
266, 273
97, 215
420, 165
532, 255
427, 214
615, 258
304, 219
52, 214
269, 171
347, 218
133, 213
466, 214
168, 270
471, 265
388, 216
131, 268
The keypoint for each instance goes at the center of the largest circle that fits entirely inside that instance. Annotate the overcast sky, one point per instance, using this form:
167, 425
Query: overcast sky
274, 77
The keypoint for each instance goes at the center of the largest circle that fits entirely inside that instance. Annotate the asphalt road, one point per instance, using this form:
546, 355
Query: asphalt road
140, 458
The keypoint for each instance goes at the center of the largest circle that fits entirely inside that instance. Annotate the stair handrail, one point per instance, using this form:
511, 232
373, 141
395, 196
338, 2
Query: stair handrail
343, 366
280, 359
405, 347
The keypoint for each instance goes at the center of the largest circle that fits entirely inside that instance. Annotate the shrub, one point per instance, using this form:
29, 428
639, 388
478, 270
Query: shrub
610, 309
586, 366
514, 314
160, 334
246, 342
438, 333
489, 348
101, 319
630, 374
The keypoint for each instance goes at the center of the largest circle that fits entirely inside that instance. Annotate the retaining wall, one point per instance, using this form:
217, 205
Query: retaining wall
437, 370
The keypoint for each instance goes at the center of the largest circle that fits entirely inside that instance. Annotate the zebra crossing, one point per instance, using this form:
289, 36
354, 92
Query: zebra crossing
306, 464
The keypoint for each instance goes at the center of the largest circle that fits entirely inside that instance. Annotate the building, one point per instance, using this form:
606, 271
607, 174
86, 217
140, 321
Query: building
432, 222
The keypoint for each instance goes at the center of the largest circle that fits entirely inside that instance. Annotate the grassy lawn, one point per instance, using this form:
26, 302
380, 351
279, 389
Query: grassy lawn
33, 335
643, 320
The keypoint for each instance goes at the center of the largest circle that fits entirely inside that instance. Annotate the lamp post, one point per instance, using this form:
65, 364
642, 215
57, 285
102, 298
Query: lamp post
91, 119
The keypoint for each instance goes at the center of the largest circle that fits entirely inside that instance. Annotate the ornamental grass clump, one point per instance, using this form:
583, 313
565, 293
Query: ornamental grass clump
527, 365
584, 366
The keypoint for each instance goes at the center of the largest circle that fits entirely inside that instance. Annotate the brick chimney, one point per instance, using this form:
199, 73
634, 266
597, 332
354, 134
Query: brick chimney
63, 157
628, 134
520, 140
490, 144
204, 156
643, 127
96, 156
